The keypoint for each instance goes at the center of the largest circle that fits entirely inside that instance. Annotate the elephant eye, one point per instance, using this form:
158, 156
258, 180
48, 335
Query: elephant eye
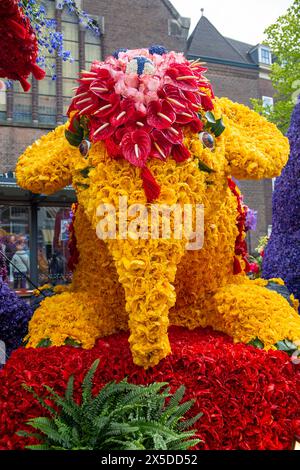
207, 140
84, 147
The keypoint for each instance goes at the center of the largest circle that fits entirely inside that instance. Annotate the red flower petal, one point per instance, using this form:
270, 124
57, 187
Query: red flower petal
174, 97
196, 125
100, 130
105, 108
207, 103
182, 76
136, 147
185, 117
123, 113
160, 114
150, 185
174, 134
180, 153
161, 146
113, 148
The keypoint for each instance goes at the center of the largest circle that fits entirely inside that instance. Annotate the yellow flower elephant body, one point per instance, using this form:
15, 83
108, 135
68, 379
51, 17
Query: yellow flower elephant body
145, 284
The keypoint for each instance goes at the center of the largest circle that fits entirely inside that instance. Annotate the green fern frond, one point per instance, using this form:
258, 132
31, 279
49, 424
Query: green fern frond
70, 389
87, 384
188, 423
122, 416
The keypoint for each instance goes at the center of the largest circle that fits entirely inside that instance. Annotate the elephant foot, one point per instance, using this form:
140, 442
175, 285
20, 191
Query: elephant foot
75, 318
247, 312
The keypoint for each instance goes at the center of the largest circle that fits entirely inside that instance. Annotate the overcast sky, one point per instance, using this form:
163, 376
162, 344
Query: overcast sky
244, 20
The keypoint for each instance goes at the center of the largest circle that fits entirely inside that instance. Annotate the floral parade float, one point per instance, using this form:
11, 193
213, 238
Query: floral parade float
145, 124
283, 250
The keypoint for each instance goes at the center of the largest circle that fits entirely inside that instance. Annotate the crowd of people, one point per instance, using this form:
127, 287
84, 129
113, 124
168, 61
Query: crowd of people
15, 251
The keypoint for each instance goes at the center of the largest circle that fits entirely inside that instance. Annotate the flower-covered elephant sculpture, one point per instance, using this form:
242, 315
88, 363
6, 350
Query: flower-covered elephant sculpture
145, 125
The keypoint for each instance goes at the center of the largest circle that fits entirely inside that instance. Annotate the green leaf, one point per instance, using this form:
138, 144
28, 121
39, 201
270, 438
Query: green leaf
74, 139
72, 342
218, 128
85, 171
87, 383
257, 343
203, 167
83, 185
76, 125
286, 346
210, 117
44, 343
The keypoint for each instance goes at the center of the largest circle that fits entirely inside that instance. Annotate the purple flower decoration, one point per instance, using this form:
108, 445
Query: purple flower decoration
251, 220
282, 255
14, 317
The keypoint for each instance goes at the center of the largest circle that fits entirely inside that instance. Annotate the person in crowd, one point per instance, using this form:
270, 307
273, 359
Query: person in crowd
21, 266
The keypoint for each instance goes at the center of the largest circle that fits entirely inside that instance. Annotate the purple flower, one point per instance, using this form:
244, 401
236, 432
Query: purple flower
251, 220
14, 317
282, 256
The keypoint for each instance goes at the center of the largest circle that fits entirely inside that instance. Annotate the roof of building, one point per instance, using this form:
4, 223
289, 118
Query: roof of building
208, 43
243, 48
185, 22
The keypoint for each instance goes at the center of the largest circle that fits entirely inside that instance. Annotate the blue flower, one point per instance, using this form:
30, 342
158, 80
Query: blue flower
282, 255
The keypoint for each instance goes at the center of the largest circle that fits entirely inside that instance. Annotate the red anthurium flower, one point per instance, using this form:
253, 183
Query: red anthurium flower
185, 117
125, 112
100, 130
207, 103
180, 153
150, 185
106, 108
119, 133
136, 147
174, 97
174, 134
183, 77
160, 114
85, 103
101, 83
139, 125
161, 146
193, 100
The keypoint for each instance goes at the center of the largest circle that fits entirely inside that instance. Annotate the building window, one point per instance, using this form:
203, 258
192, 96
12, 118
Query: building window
53, 239
2, 101
174, 28
47, 109
265, 55
22, 110
70, 70
268, 103
14, 243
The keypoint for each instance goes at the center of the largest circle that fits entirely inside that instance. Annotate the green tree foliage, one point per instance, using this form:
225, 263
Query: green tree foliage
122, 416
283, 38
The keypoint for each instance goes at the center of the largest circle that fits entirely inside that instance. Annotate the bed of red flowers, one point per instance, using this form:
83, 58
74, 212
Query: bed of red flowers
250, 398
